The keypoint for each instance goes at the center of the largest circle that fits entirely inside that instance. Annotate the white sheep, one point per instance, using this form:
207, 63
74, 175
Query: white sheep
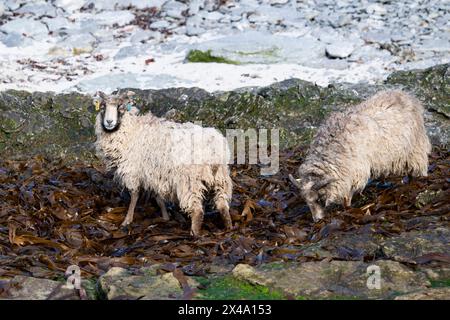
176, 162
381, 136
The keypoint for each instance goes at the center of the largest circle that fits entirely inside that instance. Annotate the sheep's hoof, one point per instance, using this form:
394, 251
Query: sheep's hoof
196, 233
196, 230
125, 223
228, 225
318, 219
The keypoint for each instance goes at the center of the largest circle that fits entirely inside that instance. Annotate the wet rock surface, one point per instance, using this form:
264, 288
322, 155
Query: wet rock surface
427, 294
118, 283
328, 279
29, 288
61, 126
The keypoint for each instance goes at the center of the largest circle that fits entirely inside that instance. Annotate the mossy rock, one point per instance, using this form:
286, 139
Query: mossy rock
229, 288
207, 56
61, 125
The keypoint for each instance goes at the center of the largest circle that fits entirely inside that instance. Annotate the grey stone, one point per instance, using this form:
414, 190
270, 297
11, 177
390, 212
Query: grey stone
161, 24
412, 245
258, 47
376, 37
278, 2
119, 17
40, 8
213, 16
140, 4
83, 42
435, 45
144, 35
57, 23
376, 8
334, 278
111, 82
70, 6
118, 283
339, 50
29, 288
12, 4
340, 21
131, 51
12, 39
194, 7
27, 26
427, 294
194, 31
174, 9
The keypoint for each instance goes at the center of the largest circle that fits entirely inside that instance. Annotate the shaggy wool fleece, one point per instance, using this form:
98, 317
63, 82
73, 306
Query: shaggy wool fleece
381, 136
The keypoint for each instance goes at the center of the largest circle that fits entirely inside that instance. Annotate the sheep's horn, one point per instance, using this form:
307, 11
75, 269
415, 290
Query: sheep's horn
100, 94
322, 184
295, 182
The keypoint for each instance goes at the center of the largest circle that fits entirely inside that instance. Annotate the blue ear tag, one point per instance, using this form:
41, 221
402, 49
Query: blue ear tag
128, 107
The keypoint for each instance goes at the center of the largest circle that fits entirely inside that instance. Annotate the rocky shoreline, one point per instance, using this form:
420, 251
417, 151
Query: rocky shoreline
84, 46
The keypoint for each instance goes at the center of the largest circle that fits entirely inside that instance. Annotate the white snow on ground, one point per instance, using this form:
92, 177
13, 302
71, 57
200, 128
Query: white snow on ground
72, 45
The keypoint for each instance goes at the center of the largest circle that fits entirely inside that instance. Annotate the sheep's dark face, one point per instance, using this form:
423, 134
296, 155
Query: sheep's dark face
112, 108
313, 199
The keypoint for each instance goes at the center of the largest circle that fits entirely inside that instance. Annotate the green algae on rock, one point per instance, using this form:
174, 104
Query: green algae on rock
207, 56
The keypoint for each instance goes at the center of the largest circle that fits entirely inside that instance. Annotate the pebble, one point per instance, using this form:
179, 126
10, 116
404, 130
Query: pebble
376, 37
339, 50
162, 24
376, 8
27, 26
38, 9
2, 9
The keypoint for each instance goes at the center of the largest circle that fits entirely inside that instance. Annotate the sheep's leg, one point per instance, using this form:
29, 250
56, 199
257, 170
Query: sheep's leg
132, 206
223, 207
190, 196
347, 202
196, 221
223, 186
163, 208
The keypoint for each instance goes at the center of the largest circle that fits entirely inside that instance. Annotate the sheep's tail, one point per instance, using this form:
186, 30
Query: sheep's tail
295, 182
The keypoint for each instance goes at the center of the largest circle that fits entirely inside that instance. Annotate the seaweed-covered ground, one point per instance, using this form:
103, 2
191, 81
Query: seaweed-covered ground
53, 215
58, 207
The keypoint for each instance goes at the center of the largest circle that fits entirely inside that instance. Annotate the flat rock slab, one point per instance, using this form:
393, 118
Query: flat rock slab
410, 247
29, 288
334, 279
120, 284
428, 294
414, 246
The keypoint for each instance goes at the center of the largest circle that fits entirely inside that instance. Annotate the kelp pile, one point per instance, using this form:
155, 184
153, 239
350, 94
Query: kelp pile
53, 215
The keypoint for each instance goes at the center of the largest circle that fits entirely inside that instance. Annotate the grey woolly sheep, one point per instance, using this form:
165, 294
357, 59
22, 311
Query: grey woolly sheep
381, 136
176, 162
